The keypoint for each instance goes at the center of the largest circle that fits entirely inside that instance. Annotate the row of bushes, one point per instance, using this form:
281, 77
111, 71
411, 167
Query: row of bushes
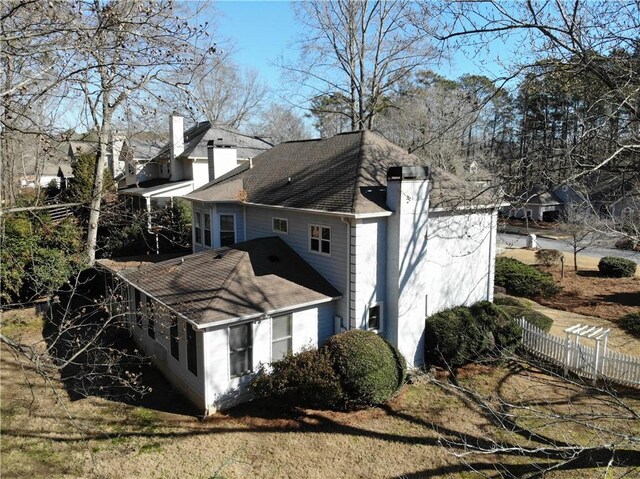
352, 369
460, 335
457, 336
630, 323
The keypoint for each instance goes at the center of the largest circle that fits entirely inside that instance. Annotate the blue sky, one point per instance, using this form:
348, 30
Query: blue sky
264, 30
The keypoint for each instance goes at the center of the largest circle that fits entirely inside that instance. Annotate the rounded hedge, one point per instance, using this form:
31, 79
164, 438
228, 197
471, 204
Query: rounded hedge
454, 338
630, 323
504, 300
370, 369
531, 316
615, 267
523, 280
548, 257
305, 379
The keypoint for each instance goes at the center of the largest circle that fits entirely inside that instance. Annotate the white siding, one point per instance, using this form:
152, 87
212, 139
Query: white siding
369, 271
311, 327
333, 268
200, 173
159, 351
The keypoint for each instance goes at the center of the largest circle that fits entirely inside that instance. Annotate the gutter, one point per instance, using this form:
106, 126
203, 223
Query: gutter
349, 253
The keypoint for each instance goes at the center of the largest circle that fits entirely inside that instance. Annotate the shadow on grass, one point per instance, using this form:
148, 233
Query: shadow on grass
625, 299
97, 356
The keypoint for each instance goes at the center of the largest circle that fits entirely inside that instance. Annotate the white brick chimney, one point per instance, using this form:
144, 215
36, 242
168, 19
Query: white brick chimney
176, 144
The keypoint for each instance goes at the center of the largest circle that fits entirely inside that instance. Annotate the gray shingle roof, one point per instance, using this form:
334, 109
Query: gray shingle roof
250, 278
197, 137
344, 174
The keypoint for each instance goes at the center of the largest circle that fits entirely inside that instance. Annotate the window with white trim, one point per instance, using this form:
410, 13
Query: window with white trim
320, 239
207, 229
281, 328
374, 317
240, 350
198, 227
280, 225
227, 230
192, 350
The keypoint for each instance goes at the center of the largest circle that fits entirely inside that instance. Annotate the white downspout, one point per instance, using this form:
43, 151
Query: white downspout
347, 293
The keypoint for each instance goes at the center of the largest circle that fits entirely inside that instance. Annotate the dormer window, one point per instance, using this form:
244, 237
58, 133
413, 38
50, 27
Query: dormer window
320, 239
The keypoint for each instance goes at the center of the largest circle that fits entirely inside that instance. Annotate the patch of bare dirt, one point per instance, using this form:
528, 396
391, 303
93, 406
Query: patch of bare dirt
585, 291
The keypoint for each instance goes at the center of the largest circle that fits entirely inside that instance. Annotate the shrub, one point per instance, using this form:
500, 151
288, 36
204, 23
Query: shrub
506, 332
531, 316
306, 379
453, 337
548, 257
370, 369
630, 323
628, 243
523, 280
615, 267
504, 300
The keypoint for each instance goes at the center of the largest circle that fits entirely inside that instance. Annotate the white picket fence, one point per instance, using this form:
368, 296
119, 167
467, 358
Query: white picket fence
581, 359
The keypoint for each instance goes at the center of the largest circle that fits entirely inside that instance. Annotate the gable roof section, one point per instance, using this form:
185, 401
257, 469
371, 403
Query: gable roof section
344, 174
241, 281
197, 137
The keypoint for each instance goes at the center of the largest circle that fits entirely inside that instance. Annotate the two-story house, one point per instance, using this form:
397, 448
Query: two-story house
190, 159
309, 239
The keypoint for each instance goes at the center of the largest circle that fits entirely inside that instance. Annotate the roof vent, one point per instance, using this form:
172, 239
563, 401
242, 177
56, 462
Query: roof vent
399, 173
219, 256
273, 258
289, 180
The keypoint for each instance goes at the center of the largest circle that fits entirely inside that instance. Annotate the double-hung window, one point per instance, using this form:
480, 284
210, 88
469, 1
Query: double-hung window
320, 239
192, 350
198, 227
374, 320
207, 229
280, 336
280, 225
173, 337
137, 307
240, 350
151, 326
227, 230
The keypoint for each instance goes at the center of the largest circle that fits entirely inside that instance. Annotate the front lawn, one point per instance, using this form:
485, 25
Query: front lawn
430, 430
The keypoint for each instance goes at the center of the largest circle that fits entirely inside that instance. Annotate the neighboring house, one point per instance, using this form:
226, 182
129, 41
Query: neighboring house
137, 155
191, 159
309, 239
539, 204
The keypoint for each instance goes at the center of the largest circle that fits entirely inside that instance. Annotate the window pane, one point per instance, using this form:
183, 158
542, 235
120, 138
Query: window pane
281, 327
175, 345
227, 239
207, 222
226, 222
280, 349
239, 362
326, 247
374, 317
326, 233
239, 336
284, 226
315, 245
315, 231
192, 352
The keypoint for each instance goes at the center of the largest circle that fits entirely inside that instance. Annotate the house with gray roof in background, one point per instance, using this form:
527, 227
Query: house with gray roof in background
191, 158
309, 239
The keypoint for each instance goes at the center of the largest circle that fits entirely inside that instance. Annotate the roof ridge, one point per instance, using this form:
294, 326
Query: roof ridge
227, 282
358, 175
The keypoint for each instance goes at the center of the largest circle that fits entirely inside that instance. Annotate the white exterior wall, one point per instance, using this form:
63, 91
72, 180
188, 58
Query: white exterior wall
406, 267
309, 327
224, 160
200, 173
159, 350
368, 270
333, 267
460, 259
